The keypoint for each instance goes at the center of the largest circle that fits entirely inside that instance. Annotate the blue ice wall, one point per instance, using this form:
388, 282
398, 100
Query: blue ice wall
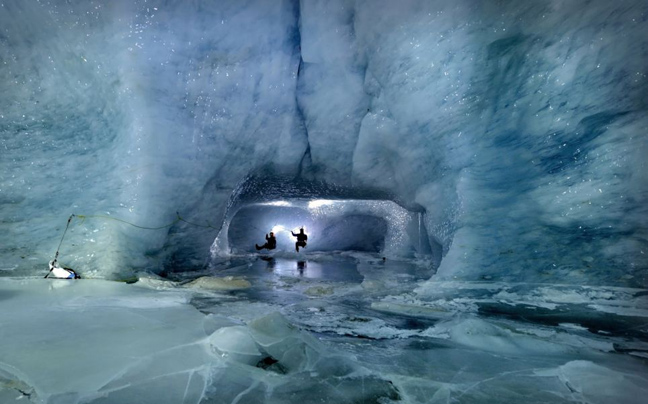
520, 127
127, 109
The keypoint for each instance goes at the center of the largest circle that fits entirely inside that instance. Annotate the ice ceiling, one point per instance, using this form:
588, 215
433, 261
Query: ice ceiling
518, 129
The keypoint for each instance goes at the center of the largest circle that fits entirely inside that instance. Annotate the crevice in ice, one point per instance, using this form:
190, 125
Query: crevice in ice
305, 163
271, 364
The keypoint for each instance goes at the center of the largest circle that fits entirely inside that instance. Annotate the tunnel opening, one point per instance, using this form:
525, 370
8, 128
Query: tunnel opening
335, 218
342, 232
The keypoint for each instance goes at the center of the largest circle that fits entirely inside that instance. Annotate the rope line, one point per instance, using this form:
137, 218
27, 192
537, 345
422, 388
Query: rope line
178, 219
63, 236
59, 246
195, 224
83, 217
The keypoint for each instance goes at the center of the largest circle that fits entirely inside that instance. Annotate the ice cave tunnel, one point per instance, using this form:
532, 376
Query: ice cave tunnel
471, 176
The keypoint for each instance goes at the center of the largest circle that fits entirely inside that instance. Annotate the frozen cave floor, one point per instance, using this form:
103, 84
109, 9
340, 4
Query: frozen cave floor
319, 328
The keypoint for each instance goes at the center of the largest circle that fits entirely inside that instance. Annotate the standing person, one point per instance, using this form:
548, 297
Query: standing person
271, 242
301, 239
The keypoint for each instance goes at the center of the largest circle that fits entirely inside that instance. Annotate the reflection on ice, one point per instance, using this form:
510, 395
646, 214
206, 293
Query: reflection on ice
343, 271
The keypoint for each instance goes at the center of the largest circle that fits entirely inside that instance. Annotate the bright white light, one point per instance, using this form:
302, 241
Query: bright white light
278, 203
319, 203
278, 228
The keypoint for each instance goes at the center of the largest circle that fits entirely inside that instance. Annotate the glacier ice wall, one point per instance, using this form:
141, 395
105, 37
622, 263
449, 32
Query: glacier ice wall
520, 127
128, 109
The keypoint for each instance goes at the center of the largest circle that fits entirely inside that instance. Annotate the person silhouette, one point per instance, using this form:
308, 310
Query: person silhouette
271, 243
301, 239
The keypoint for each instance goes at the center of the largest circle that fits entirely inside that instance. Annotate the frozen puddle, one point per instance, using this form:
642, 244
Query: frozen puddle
93, 341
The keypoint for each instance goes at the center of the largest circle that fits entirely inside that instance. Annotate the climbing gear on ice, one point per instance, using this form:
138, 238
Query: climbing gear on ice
60, 272
54, 268
65, 272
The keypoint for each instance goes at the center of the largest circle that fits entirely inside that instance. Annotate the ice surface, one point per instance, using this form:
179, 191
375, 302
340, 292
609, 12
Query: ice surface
74, 341
213, 283
105, 342
158, 341
596, 384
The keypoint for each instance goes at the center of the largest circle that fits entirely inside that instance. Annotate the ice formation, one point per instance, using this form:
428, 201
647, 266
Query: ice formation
518, 118
473, 176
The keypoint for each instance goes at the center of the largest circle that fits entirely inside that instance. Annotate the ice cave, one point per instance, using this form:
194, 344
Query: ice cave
471, 177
